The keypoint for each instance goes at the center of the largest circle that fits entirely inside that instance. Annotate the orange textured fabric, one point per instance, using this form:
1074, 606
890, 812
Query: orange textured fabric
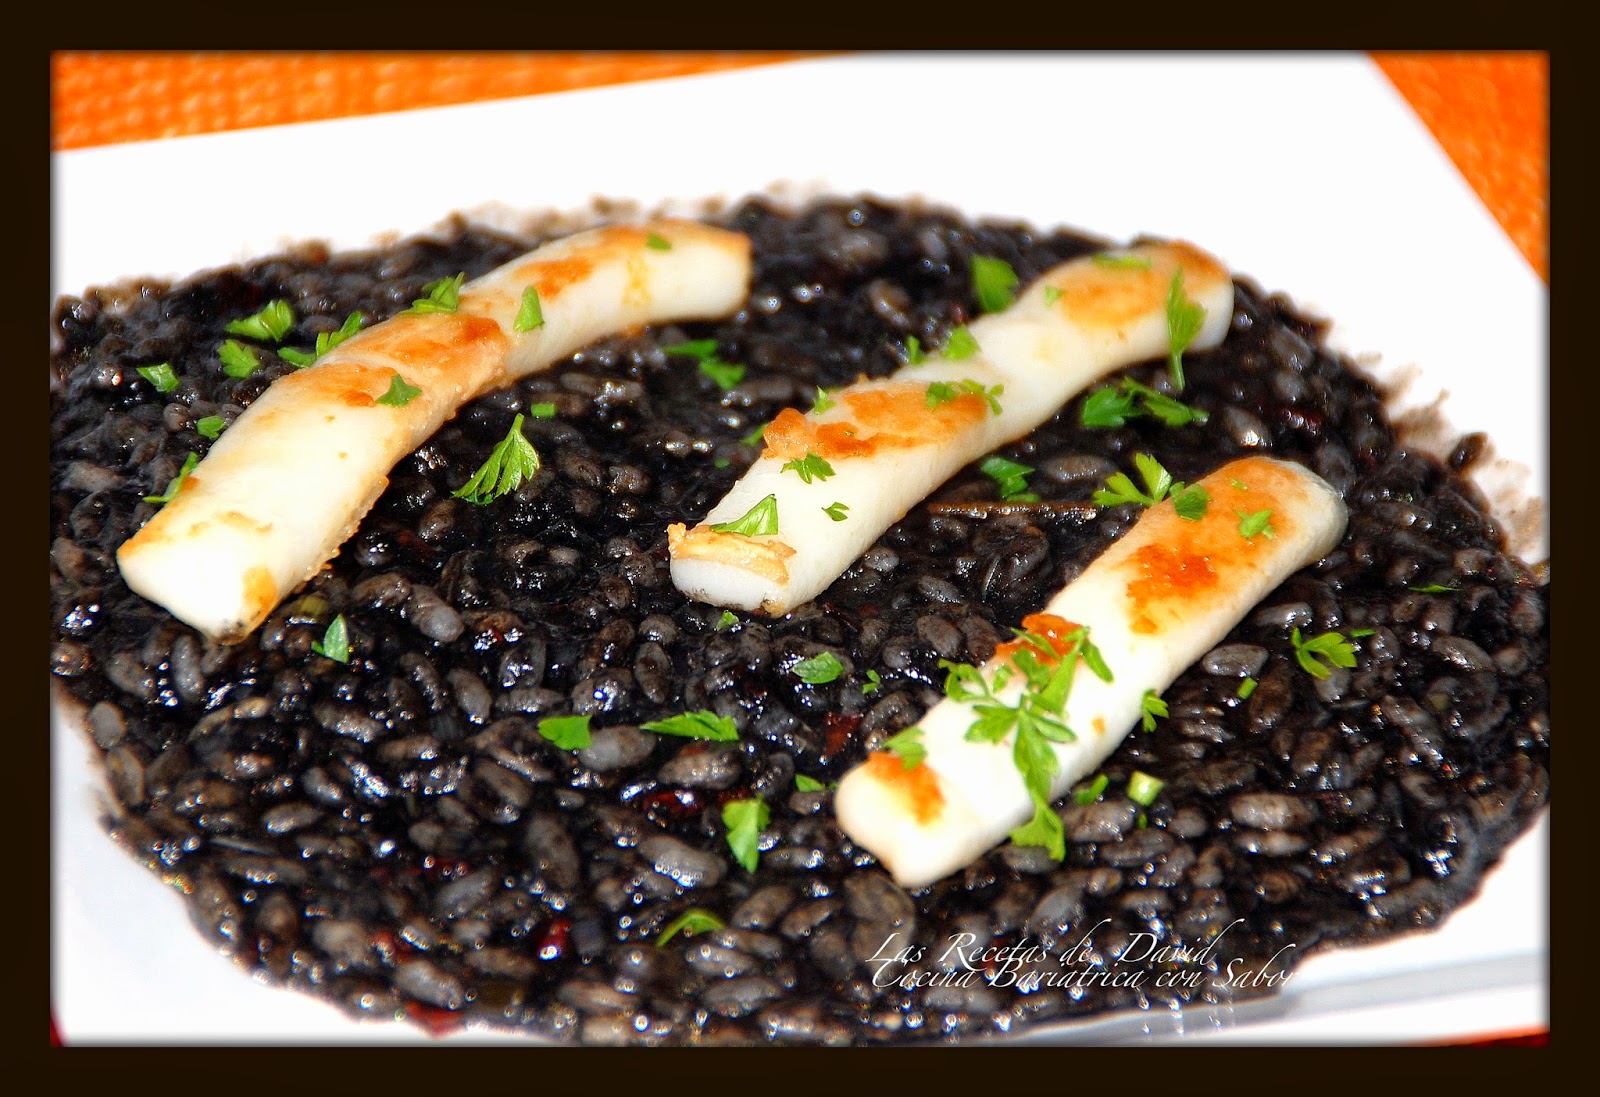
1491, 114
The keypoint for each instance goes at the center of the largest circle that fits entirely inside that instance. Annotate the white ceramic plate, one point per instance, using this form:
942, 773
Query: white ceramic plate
1309, 174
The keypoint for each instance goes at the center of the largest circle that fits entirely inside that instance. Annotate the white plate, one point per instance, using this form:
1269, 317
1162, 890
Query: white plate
1309, 174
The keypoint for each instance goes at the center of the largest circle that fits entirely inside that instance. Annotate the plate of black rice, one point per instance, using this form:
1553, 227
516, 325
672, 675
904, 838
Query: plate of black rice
389, 851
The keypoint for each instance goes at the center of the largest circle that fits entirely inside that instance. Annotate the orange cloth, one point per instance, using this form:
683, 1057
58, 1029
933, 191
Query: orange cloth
1489, 111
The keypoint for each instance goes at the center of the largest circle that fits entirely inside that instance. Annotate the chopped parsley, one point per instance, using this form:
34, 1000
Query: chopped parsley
825, 401
745, 820
1119, 487
836, 511
1011, 477
726, 621
1190, 502
442, 296
692, 921
960, 345
696, 725
1320, 654
1256, 524
994, 282
758, 521
1120, 262
530, 314
1086, 796
1143, 788
566, 732
238, 360
942, 392
1239, 485
1151, 706
808, 784
1052, 294
1431, 588
271, 324
754, 437
335, 643
913, 354
160, 375
1246, 688
1184, 319
176, 484
400, 393
512, 461
809, 468
908, 747
874, 684
541, 411
659, 243
326, 341
694, 348
210, 426
725, 375
1114, 405
818, 670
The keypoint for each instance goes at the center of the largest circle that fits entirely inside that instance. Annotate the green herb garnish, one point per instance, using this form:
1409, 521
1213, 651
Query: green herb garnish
566, 732
809, 468
1011, 477
238, 360
993, 281
824, 401
695, 348
326, 341
176, 483
1184, 319
659, 243
1052, 294
942, 392
960, 345
1150, 706
1119, 487
511, 462
160, 375
272, 323
1190, 502
745, 820
530, 314
335, 642
821, 668
874, 683
692, 921
696, 725
1431, 588
1246, 688
1143, 788
1114, 405
1120, 262
1086, 796
836, 511
541, 411
400, 393
754, 437
758, 521
1330, 646
210, 426
725, 375
914, 355
907, 746
726, 621
442, 296
808, 784
1256, 523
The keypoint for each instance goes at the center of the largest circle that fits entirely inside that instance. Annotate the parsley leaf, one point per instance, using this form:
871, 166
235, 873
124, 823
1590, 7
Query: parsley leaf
758, 521
1431, 588
160, 375
754, 437
836, 511
1086, 796
942, 392
1044, 829
1119, 487
907, 746
695, 348
1143, 788
1113, 406
960, 345
272, 323
442, 296
745, 820
1184, 320
1052, 294
913, 354
1120, 262
210, 426
326, 341
808, 784
1256, 523
824, 401
1108, 407
818, 670
874, 684
530, 314
1190, 502
1150, 706
696, 725
176, 484
400, 393
659, 243
692, 921
1011, 477
725, 375
726, 621
238, 360
335, 643
993, 281
1246, 688
511, 462
566, 732
809, 468
1330, 646
541, 411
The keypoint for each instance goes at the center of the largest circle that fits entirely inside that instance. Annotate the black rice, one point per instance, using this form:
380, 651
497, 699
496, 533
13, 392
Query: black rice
395, 836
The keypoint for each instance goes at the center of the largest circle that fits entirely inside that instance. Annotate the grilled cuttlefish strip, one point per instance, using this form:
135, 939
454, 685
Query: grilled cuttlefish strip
289, 481
1159, 598
892, 441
